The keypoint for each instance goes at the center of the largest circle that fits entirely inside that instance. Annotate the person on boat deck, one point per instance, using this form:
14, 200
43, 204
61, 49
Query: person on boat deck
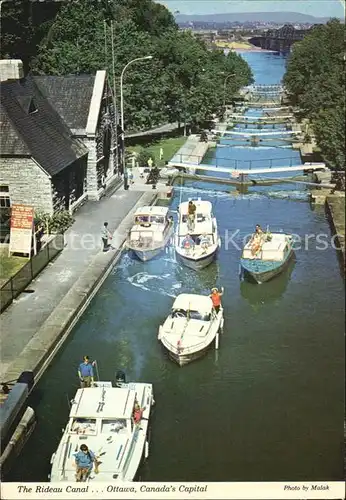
191, 213
188, 242
257, 239
86, 373
137, 413
216, 298
84, 459
204, 241
258, 230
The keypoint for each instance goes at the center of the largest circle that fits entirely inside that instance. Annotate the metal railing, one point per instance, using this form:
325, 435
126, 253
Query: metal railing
17, 283
236, 164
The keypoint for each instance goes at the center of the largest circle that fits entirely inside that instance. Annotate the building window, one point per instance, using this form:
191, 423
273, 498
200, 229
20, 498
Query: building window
5, 214
5, 201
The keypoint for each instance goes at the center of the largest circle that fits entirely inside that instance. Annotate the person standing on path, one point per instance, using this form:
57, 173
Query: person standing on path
161, 153
105, 235
86, 373
150, 162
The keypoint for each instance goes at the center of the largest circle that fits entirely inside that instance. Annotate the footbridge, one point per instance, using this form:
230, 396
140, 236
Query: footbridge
265, 88
235, 172
256, 134
268, 107
237, 116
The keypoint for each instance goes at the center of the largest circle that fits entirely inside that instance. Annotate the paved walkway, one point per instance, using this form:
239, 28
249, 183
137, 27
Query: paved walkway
21, 320
192, 151
163, 129
139, 183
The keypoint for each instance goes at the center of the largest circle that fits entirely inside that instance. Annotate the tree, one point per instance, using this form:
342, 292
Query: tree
23, 25
315, 78
183, 82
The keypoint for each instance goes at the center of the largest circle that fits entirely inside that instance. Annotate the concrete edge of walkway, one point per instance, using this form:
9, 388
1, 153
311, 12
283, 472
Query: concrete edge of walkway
336, 216
50, 337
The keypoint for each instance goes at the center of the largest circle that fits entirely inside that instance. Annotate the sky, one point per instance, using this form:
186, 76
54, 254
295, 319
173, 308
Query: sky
317, 8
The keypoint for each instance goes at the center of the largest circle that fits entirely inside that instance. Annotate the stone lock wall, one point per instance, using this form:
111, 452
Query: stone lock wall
28, 183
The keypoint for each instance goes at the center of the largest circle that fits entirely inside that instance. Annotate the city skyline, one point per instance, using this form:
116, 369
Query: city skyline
317, 8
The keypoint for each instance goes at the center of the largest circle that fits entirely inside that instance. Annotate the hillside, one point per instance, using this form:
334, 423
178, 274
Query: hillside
275, 17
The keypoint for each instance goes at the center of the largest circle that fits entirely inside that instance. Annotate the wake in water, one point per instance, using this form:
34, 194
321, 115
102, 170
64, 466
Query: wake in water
153, 283
294, 194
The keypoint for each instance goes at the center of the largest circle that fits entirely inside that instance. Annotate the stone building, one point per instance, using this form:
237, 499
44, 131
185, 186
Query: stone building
58, 138
41, 163
85, 104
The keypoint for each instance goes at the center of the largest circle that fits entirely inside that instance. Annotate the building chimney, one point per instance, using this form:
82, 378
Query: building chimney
11, 69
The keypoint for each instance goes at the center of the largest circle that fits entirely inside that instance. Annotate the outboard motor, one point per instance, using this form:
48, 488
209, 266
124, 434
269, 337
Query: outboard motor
120, 378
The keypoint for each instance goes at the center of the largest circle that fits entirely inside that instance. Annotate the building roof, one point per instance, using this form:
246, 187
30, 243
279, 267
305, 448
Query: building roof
70, 96
103, 402
30, 126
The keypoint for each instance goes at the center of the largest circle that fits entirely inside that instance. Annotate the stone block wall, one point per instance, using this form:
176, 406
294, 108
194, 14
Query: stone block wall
28, 183
90, 143
69, 185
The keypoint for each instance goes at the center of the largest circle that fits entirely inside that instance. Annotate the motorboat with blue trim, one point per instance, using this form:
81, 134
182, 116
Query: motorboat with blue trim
265, 256
104, 418
191, 327
151, 232
196, 240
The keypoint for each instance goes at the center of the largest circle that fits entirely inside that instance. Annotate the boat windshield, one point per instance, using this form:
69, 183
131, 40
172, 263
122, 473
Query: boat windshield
114, 425
200, 217
83, 426
182, 313
142, 219
157, 219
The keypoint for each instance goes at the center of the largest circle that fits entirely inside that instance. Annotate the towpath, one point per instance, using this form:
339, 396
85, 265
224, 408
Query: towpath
34, 322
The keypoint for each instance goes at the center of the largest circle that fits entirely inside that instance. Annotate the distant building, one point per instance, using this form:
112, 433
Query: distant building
58, 139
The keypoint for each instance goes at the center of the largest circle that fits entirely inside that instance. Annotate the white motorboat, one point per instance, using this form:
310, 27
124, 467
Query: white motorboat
266, 256
191, 328
102, 417
151, 232
197, 243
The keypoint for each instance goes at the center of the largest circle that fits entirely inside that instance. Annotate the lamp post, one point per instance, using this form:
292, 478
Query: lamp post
224, 88
1, 2
122, 115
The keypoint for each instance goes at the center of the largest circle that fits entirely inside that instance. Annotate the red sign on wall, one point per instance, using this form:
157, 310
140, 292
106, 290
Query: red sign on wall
22, 222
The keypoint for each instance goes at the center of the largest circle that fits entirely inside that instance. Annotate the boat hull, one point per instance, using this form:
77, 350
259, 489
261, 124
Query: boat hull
260, 274
199, 263
183, 359
145, 255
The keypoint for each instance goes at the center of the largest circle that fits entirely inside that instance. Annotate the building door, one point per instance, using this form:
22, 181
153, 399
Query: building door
5, 214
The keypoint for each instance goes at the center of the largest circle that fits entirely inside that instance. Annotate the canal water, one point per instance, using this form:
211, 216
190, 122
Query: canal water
268, 405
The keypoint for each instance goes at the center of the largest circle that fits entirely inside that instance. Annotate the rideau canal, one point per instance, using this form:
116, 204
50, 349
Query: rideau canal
268, 405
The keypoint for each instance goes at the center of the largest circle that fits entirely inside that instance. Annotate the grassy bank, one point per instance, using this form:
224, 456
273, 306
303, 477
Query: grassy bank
9, 266
170, 146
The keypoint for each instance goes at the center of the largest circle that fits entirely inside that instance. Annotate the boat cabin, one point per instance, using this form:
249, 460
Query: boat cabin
145, 216
102, 410
150, 223
192, 306
203, 226
273, 249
